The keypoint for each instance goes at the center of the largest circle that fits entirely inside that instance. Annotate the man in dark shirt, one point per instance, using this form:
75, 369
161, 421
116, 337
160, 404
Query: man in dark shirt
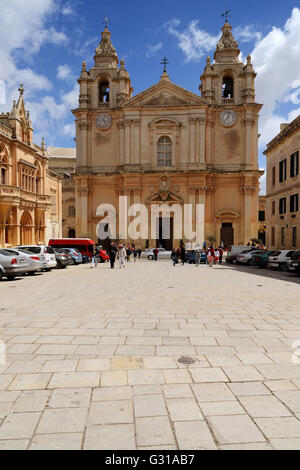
112, 254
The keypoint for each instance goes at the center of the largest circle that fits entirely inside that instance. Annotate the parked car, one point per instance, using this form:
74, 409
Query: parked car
294, 263
191, 257
162, 254
76, 257
35, 263
245, 258
232, 255
39, 250
262, 259
280, 259
62, 259
11, 265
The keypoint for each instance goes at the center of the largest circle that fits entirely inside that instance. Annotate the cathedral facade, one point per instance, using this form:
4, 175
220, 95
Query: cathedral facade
168, 145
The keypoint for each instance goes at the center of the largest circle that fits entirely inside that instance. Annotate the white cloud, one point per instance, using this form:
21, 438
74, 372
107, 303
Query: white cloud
23, 31
247, 33
64, 72
193, 41
152, 49
276, 60
263, 183
67, 10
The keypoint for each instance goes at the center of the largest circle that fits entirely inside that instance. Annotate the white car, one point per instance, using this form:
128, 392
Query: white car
280, 260
162, 254
47, 251
246, 258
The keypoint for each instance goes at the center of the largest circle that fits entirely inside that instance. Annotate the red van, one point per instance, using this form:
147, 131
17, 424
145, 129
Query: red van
85, 246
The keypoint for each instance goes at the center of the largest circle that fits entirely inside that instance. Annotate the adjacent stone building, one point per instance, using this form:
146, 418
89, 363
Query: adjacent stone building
170, 145
30, 194
283, 188
63, 161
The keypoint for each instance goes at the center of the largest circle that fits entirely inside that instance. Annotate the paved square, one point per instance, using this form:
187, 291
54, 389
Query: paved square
92, 359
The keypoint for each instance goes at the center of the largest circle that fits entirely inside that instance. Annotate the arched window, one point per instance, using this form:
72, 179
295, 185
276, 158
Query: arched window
104, 92
71, 211
3, 165
227, 87
164, 151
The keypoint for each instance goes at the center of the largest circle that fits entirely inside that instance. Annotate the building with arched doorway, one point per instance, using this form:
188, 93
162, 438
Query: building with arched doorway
171, 146
30, 194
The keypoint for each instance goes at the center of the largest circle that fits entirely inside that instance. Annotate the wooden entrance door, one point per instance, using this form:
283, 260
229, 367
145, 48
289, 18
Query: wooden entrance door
227, 234
165, 237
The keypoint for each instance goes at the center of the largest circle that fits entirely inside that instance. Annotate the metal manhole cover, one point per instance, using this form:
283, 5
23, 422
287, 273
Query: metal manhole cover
187, 361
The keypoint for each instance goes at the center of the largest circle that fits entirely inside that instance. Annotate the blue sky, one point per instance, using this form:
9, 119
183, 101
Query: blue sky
43, 43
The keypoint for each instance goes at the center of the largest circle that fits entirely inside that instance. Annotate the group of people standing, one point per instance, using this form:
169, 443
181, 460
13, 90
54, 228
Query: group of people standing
213, 255
123, 254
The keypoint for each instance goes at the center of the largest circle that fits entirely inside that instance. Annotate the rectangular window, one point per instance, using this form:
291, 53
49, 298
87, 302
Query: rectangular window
294, 164
282, 206
273, 175
273, 236
282, 171
273, 207
262, 216
294, 203
282, 236
294, 237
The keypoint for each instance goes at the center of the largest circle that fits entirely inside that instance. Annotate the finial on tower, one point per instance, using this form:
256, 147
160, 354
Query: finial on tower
226, 15
165, 62
43, 145
21, 89
106, 22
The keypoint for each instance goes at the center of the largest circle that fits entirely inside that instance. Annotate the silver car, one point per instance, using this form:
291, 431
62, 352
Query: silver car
35, 262
162, 254
11, 266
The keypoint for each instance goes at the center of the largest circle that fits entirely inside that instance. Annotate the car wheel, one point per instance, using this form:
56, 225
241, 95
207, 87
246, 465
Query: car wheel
150, 258
1, 274
11, 277
48, 270
32, 273
73, 262
283, 267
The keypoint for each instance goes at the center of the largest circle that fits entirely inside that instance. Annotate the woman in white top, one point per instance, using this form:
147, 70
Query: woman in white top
122, 256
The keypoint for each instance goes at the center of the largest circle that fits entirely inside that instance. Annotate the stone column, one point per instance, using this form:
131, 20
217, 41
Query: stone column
201, 201
192, 123
248, 124
202, 159
248, 192
137, 158
84, 127
83, 204
127, 142
122, 137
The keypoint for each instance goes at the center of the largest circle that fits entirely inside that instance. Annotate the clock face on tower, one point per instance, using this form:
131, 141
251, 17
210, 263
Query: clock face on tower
104, 121
228, 118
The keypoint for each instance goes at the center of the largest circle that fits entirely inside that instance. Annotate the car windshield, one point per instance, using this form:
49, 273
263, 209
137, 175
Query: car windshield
32, 249
277, 253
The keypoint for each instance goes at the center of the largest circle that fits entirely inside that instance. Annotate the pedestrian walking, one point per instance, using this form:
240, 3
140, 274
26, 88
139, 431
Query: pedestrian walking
155, 252
121, 256
217, 256
174, 257
112, 254
221, 256
182, 255
210, 257
135, 255
197, 256
128, 253
139, 253
95, 258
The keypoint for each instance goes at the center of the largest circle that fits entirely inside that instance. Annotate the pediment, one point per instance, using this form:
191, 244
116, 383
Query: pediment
170, 199
165, 94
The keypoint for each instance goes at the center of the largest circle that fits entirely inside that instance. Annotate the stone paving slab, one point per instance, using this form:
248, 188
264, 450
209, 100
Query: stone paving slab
90, 375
